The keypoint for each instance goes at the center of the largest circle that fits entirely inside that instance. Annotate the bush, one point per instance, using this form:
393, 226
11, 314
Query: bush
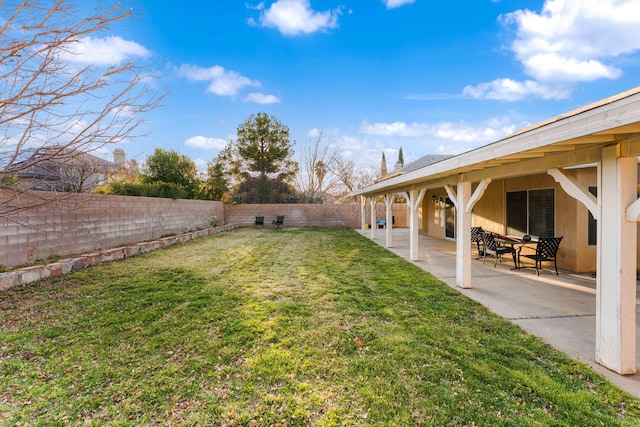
153, 189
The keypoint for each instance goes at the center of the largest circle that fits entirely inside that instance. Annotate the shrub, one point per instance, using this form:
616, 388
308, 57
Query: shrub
152, 189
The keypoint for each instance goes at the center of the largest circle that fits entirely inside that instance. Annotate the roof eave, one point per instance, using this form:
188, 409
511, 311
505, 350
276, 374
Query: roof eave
605, 116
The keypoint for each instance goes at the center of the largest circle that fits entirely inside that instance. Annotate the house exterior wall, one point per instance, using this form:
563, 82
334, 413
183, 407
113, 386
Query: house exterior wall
586, 255
432, 220
571, 216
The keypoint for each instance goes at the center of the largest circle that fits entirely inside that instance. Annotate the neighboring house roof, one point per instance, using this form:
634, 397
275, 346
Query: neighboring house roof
422, 162
53, 168
44, 158
570, 139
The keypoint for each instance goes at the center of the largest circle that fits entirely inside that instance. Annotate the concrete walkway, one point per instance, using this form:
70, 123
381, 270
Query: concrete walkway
559, 309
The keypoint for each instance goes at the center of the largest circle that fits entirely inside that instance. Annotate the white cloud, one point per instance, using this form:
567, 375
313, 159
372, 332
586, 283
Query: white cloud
460, 132
395, 129
314, 133
511, 90
294, 17
391, 4
222, 82
201, 165
570, 40
551, 67
205, 143
111, 50
261, 98
259, 6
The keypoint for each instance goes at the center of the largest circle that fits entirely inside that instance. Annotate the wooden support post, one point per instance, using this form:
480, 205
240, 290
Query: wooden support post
388, 201
616, 269
463, 236
363, 218
414, 199
374, 226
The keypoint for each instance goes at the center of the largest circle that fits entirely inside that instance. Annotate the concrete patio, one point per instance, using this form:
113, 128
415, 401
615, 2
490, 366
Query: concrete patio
559, 309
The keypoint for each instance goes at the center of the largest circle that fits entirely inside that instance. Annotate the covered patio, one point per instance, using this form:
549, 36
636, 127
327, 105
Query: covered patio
604, 135
561, 310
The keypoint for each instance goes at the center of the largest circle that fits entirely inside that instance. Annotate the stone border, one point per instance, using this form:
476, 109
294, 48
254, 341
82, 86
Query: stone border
26, 275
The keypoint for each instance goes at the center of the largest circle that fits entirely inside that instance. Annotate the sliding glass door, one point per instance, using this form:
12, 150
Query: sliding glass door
531, 212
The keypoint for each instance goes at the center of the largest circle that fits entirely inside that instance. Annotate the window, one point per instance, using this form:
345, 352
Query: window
531, 212
450, 219
593, 224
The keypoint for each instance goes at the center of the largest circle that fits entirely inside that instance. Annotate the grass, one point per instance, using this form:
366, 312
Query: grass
280, 327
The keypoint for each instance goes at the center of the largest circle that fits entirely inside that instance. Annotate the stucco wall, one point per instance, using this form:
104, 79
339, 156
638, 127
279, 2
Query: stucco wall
86, 223
489, 213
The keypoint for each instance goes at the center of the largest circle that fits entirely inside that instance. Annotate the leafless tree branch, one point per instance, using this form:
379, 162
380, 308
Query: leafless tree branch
54, 107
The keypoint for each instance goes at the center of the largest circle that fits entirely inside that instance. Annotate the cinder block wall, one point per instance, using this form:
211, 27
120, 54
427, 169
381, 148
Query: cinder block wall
85, 223
312, 215
75, 224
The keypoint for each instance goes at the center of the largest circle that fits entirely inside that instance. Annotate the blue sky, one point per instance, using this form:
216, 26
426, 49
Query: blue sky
375, 75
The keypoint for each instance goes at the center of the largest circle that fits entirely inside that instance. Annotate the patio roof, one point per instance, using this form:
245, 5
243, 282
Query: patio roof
605, 133
569, 139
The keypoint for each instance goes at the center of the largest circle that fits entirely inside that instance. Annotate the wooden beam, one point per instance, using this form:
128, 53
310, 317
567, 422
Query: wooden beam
524, 155
630, 128
634, 145
452, 195
541, 165
598, 138
572, 188
592, 128
633, 211
551, 149
477, 195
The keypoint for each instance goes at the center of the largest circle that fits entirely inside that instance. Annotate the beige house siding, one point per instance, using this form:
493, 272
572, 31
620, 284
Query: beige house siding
571, 216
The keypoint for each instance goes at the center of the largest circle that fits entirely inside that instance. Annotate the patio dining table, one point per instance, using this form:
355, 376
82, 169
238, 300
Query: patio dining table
518, 244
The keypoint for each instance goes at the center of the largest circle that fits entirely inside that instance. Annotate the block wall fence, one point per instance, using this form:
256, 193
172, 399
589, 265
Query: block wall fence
88, 223
311, 215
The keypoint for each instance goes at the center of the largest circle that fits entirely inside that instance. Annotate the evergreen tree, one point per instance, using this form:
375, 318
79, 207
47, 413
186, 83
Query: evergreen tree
383, 165
265, 159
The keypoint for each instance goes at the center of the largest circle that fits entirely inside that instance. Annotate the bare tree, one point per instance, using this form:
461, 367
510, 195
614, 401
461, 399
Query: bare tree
315, 179
53, 106
350, 177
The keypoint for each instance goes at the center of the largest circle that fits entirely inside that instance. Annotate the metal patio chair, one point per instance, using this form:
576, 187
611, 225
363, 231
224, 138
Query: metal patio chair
278, 221
476, 237
546, 251
492, 248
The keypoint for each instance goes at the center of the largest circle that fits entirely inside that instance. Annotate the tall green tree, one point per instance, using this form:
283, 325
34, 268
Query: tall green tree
265, 159
220, 176
383, 165
400, 157
171, 167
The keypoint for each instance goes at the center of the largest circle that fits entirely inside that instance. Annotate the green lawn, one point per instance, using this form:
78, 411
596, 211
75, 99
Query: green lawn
280, 327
